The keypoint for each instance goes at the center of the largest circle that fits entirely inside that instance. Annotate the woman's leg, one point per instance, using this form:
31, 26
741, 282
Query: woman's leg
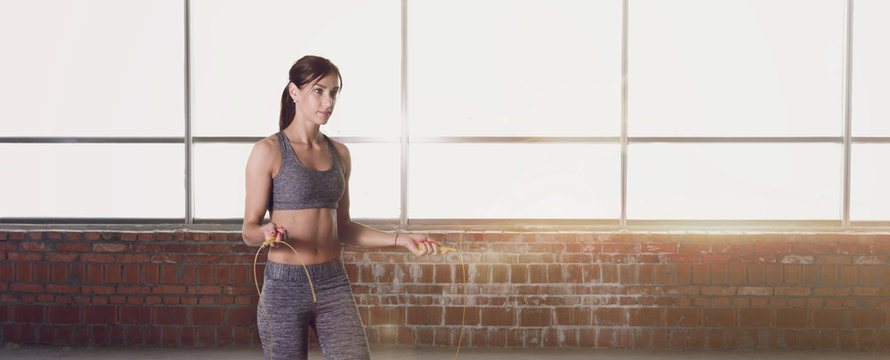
337, 324
289, 306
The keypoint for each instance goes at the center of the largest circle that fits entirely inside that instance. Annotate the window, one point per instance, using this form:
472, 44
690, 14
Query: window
594, 112
90, 117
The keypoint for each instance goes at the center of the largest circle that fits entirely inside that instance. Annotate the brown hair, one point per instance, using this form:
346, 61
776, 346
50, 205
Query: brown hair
306, 70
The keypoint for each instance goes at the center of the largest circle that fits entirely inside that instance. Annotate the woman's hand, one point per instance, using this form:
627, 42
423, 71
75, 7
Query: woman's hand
419, 244
273, 233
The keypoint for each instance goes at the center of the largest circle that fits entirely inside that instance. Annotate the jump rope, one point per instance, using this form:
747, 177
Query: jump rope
272, 240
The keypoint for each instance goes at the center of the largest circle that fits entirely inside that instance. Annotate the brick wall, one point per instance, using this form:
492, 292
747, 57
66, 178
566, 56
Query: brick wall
569, 289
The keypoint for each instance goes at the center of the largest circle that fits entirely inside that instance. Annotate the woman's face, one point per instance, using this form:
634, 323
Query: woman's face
315, 101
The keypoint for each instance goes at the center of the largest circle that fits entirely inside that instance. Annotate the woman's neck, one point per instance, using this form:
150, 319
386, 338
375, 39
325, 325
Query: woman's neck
306, 133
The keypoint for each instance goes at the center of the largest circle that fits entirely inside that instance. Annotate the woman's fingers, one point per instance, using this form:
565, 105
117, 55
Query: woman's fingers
430, 247
280, 235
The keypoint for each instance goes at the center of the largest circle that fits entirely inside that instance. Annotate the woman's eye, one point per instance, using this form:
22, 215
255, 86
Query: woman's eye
318, 91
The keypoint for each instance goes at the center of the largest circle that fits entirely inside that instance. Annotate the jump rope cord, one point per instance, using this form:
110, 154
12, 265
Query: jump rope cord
256, 282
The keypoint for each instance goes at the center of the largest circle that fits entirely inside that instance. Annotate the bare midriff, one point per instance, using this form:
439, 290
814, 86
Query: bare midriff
312, 232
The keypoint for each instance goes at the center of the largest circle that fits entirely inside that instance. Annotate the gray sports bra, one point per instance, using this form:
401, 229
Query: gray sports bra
298, 187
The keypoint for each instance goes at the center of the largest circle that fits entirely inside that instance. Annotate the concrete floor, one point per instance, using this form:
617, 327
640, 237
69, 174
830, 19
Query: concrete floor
404, 353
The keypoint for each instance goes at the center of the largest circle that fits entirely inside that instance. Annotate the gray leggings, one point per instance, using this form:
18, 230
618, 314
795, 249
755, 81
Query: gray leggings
334, 319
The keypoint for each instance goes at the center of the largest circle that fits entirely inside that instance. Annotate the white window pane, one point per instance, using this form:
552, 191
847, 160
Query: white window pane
374, 186
514, 181
219, 175
871, 54
239, 72
735, 67
511, 68
92, 68
92, 180
734, 181
869, 176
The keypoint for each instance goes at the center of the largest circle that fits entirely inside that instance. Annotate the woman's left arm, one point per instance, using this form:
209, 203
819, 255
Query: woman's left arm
357, 234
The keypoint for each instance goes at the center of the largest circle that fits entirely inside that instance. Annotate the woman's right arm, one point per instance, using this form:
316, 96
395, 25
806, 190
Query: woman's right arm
259, 184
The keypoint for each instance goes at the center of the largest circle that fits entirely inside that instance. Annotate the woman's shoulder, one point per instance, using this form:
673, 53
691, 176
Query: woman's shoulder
341, 148
268, 146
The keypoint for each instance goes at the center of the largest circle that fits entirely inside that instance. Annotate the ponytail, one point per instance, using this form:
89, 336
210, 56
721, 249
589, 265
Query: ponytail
307, 69
288, 109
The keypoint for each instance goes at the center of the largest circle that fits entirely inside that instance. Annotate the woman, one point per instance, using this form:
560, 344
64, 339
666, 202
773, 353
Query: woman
302, 178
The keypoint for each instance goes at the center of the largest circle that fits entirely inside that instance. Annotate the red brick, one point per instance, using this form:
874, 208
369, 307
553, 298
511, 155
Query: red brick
830, 319
682, 274
833, 259
216, 249
444, 273
753, 317
828, 340
27, 288
64, 314
97, 258
718, 317
206, 316
554, 274
773, 273
627, 274
772, 248
205, 275
849, 275
696, 249
390, 315
94, 273
492, 316
609, 316
538, 273
28, 313
187, 336
150, 273
100, 335
658, 248
135, 315
100, 315
131, 274
23, 272
109, 247
112, 274
170, 315
224, 274
863, 319
645, 317
132, 258
757, 258
7, 272
830, 274
868, 275
534, 316
245, 316
867, 339
97, 289
683, 258
701, 274
620, 248
200, 290
579, 316
697, 339
454, 315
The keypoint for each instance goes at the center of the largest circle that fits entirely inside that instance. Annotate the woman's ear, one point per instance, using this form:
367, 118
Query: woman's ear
294, 91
